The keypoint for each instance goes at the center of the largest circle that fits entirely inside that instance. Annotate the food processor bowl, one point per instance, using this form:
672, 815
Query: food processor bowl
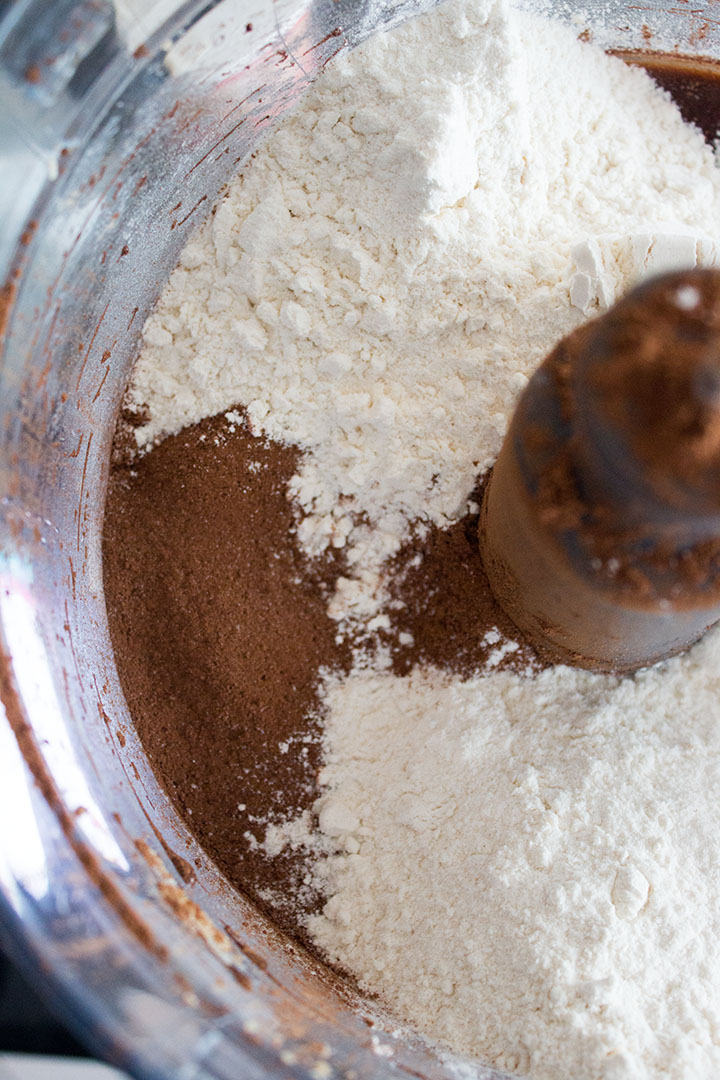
122, 121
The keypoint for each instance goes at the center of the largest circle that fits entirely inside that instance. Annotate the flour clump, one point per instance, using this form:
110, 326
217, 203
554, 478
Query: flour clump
525, 868
403, 252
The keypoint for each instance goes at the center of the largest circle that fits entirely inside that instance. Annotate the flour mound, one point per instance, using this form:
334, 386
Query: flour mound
405, 249
528, 869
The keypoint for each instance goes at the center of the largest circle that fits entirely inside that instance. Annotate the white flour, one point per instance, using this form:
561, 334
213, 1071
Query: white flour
402, 253
529, 869
526, 869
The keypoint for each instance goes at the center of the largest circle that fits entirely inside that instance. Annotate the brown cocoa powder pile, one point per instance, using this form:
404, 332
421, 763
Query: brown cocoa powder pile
220, 630
442, 598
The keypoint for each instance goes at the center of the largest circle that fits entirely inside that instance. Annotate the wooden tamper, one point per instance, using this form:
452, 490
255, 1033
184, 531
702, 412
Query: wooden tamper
600, 526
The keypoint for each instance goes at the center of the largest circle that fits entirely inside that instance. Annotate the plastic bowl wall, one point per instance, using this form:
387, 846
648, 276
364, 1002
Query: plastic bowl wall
120, 124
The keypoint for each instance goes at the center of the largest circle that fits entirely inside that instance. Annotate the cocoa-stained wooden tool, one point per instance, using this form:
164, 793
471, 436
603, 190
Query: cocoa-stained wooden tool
600, 526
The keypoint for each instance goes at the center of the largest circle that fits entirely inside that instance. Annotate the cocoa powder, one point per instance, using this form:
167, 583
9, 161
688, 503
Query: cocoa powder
220, 632
441, 597
219, 629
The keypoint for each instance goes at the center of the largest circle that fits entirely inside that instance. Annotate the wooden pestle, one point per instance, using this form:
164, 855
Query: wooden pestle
600, 526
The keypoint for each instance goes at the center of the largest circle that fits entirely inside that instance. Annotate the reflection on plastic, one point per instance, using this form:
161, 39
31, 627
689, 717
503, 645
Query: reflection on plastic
22, 857
32, 673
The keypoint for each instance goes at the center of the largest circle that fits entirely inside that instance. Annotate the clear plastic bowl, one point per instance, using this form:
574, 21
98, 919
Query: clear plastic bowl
121, 122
